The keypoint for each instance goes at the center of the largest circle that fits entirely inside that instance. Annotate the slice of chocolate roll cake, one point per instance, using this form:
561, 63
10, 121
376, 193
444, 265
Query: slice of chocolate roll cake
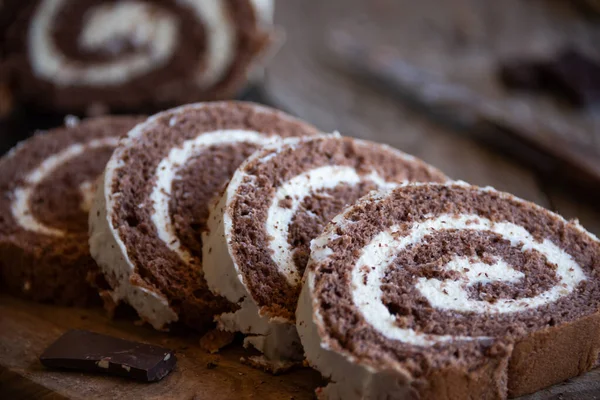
449, 291
257, 243
152, 204
72, 55
46, 187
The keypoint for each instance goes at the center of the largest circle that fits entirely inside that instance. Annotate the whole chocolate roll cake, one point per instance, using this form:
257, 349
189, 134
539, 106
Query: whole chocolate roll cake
46, 188
449, 291
257, 244
69, 55
152, 204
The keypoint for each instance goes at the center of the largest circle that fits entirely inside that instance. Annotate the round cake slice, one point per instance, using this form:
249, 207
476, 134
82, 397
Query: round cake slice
46, 186
449, 291
257, 243
73, 55
152, 205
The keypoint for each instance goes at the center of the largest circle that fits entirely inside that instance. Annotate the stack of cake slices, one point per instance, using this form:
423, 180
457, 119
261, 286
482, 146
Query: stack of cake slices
384, 275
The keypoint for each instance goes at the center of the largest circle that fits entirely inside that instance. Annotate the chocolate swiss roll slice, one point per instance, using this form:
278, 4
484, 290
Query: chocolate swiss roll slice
71, 55
257, 243
46, 187
449, 291
153, 201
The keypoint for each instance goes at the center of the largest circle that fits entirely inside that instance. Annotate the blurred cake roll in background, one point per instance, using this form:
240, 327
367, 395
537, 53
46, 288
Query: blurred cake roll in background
81, 56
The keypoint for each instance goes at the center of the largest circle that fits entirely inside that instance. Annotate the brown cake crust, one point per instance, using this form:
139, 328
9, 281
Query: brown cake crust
159, 268
164, 85
522, 352
46, 267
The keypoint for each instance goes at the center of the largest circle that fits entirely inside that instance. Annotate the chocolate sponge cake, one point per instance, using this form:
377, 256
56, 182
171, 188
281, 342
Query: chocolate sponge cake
46, 187
257, 243
70, 55
449, 291
152, 204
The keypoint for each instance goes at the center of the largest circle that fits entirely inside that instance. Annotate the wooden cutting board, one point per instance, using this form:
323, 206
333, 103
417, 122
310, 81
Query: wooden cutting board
26, 329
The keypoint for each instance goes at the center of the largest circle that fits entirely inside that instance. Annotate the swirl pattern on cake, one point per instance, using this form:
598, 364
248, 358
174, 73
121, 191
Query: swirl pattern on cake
436, 289
257, 244
130, 54
47, 183
153, 204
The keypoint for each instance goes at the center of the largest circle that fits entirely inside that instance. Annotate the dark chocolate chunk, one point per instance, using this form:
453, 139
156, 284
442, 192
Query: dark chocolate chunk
577, 76
571, 76
93, 352
523, 75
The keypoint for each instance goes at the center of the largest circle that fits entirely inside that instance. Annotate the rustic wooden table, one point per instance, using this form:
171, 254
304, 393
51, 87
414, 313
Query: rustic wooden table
456, 38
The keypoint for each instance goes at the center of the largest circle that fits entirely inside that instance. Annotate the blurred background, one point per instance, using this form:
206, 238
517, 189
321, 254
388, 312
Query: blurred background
501, 94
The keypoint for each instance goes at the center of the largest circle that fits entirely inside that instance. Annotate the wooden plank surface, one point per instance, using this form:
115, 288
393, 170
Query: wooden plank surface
26, 329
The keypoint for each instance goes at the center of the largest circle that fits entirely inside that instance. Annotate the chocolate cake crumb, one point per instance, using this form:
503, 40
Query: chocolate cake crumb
215, 340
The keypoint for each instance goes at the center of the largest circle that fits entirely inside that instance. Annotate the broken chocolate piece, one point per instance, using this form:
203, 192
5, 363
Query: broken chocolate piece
93, 352
522, 75
571, 76
577, 76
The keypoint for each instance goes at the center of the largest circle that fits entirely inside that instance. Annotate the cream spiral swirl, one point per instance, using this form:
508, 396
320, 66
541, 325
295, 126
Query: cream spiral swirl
152, 31
22, 195
452, 294
410, 286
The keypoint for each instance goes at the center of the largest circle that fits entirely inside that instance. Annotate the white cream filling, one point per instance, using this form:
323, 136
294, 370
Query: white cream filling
156, 30
109, 252
297, 189
273, 337
107, 248
107, 26
376, 257
20, 205
222, 38
349, 379
265, 10
144, 25
167, 171
279, 218
220, 270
